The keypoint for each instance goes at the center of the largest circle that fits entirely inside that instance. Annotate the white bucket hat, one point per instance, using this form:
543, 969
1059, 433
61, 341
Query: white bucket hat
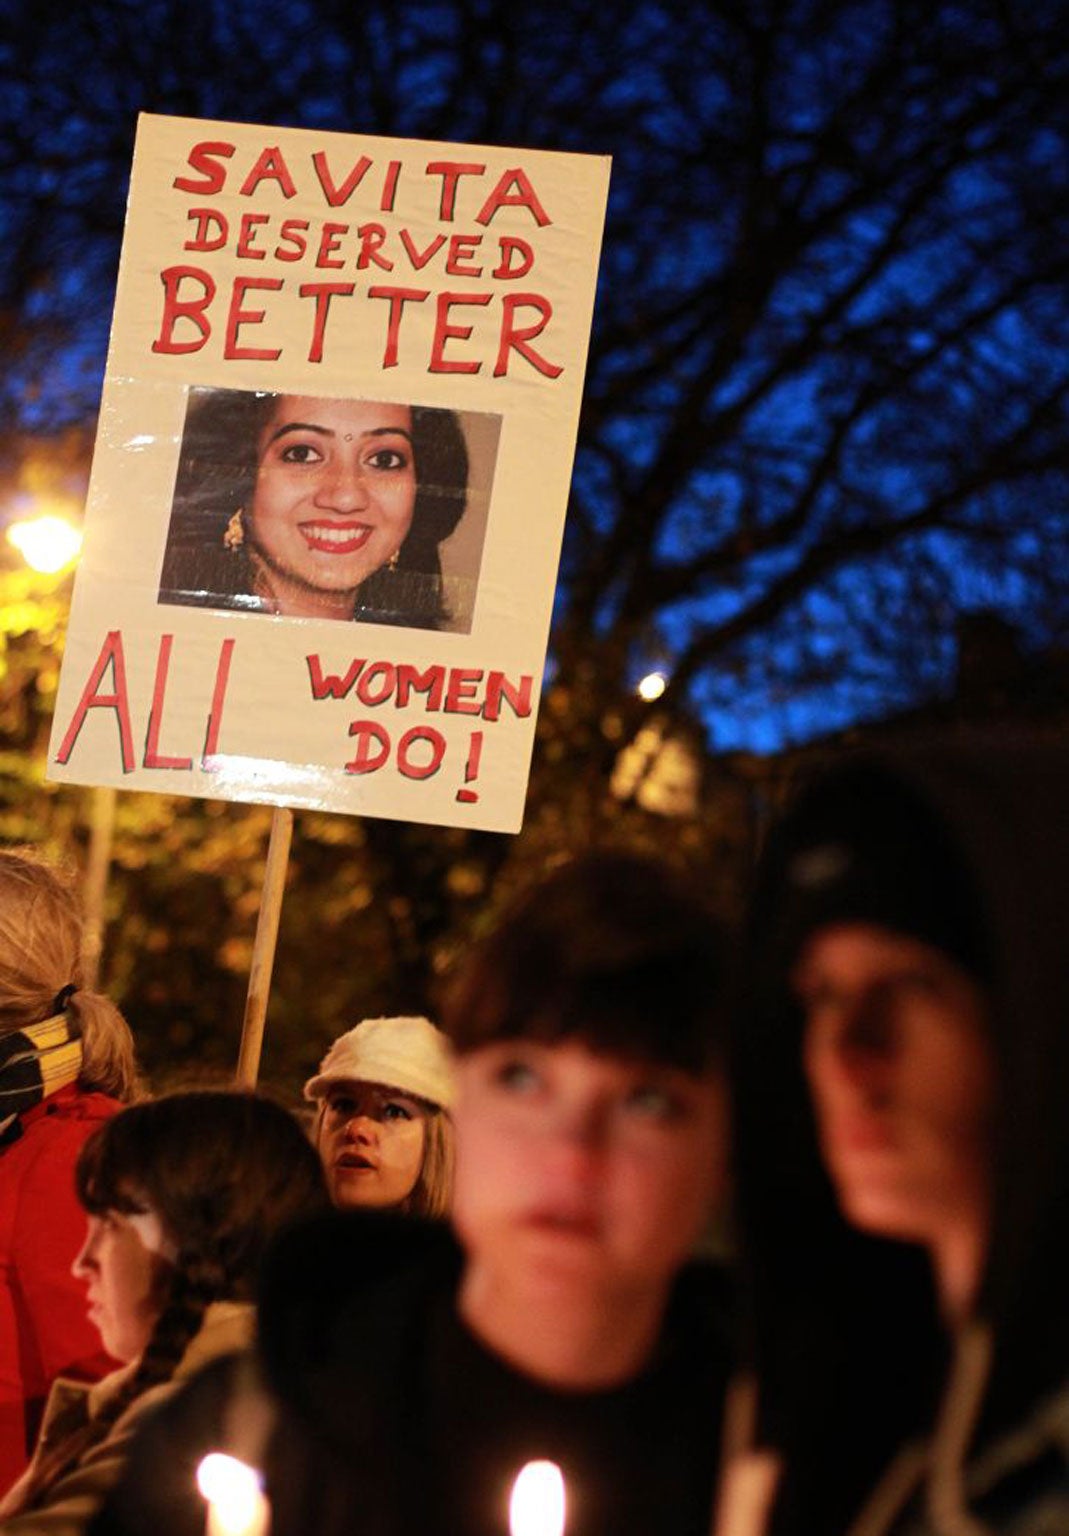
408, 1054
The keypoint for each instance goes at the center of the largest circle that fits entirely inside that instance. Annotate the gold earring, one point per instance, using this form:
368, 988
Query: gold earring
234, 537
391, 564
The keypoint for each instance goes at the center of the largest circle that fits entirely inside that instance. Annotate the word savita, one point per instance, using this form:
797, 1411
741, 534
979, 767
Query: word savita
452, 690
210, 160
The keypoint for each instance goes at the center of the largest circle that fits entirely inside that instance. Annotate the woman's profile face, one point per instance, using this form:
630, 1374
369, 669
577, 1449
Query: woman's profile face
333, 501
124, 1261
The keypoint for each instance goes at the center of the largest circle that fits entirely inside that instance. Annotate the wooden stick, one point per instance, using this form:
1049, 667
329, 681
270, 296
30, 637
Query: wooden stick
102, 826
263, 949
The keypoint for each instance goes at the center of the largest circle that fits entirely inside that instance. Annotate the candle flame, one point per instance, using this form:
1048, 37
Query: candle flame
536, 1507
236, 1503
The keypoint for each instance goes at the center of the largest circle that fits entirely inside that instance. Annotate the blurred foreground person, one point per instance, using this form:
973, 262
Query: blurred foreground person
904, 1150
383, 1129
182, 1195
66, 1064
414, 1376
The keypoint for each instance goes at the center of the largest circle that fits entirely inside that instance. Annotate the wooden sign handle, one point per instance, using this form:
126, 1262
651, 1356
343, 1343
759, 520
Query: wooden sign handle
263, 950
101, 833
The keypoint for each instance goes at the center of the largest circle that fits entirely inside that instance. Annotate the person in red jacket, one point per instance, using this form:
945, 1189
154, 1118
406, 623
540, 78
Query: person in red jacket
66, 1064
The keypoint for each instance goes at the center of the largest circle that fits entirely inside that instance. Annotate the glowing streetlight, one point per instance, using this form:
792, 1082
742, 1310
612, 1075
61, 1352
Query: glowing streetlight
49, 544
536, 1507
652, 686
236, 1503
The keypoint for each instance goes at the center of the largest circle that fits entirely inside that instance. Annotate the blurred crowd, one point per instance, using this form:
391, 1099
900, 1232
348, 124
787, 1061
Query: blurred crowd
704, 1232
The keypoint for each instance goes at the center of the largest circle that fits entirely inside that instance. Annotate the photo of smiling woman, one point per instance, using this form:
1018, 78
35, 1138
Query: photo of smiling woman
321, 508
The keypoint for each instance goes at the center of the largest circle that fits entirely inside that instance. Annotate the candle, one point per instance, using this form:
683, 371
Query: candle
537, 1506
236, 1502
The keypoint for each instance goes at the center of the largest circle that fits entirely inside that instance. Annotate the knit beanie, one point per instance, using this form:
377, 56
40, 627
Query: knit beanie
863, 846
408, 1054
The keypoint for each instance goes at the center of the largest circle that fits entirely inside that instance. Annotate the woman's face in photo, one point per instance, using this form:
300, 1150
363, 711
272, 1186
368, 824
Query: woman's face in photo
123, 1261
334, 498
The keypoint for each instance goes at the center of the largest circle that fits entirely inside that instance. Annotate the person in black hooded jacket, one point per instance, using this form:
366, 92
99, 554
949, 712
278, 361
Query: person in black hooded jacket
902, 1103
412, 1373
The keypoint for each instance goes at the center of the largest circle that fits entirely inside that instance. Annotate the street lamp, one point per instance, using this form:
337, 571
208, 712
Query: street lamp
651, 686
48, 544
660, 767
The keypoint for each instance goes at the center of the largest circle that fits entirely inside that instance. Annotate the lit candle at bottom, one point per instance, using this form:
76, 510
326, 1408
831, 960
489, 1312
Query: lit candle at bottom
236, 1502
537, 1504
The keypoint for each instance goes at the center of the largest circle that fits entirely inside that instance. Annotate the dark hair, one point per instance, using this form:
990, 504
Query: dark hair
224, 1171
614, 948
216, 475
863, 845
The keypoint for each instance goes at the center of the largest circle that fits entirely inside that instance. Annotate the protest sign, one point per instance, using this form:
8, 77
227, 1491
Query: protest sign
328, 493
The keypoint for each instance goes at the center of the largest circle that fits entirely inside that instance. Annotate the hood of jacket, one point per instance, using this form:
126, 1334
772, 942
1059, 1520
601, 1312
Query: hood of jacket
845, 1331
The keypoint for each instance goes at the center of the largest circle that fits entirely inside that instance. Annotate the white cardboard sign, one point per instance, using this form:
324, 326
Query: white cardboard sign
331, 471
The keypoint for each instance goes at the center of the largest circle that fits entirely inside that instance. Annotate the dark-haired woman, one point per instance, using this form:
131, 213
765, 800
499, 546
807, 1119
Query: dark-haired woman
315, 508
182, 1194
415, 1374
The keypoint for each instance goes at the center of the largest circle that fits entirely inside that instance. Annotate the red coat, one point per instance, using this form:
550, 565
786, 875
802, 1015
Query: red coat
44, 1330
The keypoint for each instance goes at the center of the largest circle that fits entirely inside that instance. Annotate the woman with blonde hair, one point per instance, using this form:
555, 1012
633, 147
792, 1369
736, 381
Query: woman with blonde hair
66, 1064
383, 1128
